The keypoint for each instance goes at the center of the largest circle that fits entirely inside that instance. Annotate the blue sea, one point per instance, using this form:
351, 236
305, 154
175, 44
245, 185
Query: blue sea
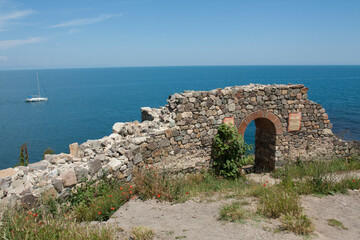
85, 103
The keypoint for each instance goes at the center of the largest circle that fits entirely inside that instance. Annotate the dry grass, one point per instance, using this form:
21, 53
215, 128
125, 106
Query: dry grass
233, 212
142, 233
35, 225
336, 223
277, 200
298, 224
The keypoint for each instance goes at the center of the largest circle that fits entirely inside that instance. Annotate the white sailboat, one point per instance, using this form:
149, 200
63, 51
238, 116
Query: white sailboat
37, 98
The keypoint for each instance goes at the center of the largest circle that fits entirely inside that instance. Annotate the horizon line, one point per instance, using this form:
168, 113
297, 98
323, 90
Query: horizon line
164, 66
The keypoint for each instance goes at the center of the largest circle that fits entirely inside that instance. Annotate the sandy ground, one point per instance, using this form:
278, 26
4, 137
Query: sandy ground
344, 208
198, 219
191, 220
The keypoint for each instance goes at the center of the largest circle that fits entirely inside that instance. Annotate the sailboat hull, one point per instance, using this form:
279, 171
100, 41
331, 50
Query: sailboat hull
38, 99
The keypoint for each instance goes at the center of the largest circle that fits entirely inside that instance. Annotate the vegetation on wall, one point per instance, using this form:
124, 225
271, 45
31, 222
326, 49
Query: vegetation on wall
24, 156
48, 151
229, 152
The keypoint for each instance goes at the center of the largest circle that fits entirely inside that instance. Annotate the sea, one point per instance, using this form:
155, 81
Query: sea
85, 103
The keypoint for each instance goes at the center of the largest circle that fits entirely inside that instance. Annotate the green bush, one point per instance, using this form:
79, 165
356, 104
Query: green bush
97, 202
229, 152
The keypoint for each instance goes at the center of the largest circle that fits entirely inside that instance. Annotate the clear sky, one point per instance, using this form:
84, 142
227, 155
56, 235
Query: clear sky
111, 33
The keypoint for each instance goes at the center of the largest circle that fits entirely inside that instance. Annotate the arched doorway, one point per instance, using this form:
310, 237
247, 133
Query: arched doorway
267, 125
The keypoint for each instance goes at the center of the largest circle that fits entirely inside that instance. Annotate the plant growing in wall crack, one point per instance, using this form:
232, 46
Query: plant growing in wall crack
229, 151
24, 156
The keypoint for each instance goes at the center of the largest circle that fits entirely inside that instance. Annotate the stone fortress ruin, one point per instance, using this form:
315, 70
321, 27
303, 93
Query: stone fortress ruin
179, 136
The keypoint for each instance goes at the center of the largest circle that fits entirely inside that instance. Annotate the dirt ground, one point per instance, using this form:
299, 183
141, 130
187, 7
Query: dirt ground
197, 219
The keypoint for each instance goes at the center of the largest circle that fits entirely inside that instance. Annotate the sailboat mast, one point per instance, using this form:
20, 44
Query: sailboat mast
37, 77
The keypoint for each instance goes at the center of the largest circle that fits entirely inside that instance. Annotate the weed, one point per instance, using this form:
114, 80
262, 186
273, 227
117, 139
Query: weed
180, 237
48, 151
24, 156
336, 223
151, 183
233, 212
298, 223
21, 224
142, 233
277, 200
97, 202
300, 169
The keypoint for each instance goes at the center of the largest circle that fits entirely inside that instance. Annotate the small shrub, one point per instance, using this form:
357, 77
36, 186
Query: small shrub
151, 183
298, 223
336, 223
97, 202
278, 200
233, 212
249, 160
48, 151
24, 156
142, 233
228, 152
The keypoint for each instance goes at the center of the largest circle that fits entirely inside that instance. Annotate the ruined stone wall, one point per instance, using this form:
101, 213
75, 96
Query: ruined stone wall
198, 114
178, 137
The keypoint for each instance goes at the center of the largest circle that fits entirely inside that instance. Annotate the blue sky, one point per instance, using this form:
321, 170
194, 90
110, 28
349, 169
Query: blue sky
111, 33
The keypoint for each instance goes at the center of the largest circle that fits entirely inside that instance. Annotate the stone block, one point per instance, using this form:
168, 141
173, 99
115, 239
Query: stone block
74, 149
49, 193
138, 158
100, 157
42, 165
152, 146
68, 178
187, 115
81, 174
117, 128
164, 143
58, 185
7, 172
115, 164
29, 201
94, 166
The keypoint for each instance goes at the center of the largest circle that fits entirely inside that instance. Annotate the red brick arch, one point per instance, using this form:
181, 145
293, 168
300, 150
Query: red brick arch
261, 114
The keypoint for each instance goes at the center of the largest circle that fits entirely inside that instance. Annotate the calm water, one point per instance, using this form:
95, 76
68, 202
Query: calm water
85, 103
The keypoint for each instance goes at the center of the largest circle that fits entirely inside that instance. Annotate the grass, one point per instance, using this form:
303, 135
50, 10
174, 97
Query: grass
233, 212
302, 169
22, 224
151, 183
56, 220
180, 237
142, 233
336, 223
298, 224
277, 200
320, 177
98, 201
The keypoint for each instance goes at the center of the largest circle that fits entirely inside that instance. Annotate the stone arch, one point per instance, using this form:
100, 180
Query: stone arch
268, 125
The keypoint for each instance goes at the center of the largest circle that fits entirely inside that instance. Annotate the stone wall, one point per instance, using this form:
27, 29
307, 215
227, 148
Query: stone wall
179, 136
